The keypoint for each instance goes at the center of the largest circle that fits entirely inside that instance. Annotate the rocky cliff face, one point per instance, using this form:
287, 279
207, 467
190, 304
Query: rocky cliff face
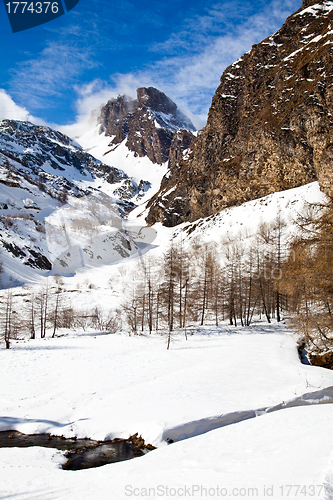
269, 128
149, 124
113, 117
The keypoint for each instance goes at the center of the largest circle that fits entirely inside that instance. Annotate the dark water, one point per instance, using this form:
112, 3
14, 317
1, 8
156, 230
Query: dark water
80, 453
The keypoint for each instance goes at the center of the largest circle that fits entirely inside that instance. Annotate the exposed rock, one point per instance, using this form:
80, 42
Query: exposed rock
324, 360
9, 183
38, 260
148, 123
269, 127
80, 453
14, 249
113, 117
182, 140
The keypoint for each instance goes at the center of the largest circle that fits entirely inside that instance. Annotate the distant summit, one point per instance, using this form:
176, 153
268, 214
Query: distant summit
149, 124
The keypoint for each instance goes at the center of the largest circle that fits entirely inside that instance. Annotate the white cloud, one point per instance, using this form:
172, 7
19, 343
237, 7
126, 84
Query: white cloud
189, 73
192, 76
195, 59
11, 111
91, 98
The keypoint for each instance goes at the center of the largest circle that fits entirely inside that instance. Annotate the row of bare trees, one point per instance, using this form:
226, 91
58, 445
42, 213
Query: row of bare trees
27, 313
198, 283
233, 281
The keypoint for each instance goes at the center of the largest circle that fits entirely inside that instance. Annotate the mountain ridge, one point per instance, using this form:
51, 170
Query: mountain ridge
42, 173
55, 195
268, 127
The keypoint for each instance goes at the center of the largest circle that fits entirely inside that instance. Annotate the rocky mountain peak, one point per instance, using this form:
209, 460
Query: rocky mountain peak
269, 127
147, 123
155, 100
113, 117
306, 3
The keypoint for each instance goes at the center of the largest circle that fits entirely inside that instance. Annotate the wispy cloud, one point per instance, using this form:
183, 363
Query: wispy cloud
90, 99
187, 65
73, 49
195, 58
49, 74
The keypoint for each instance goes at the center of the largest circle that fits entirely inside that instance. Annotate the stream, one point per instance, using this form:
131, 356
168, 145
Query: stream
87, 453
80, 453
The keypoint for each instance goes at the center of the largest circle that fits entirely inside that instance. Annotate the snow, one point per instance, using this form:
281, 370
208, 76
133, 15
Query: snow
230, 459
230, 75
306, 46
325, 7
172, 122
89, 220
228, 96
293, 54
242, 223
246, 417
272, 43
316, 39
105, 386
122, 158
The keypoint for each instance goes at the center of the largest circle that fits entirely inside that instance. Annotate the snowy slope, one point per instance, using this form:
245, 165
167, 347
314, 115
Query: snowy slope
40, 170
242, 223
87, 221
241, 409
136, 167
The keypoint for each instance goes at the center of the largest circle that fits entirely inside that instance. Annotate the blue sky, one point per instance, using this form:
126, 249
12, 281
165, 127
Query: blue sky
60, 71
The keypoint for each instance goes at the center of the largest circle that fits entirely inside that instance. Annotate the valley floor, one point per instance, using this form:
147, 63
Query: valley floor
106, 386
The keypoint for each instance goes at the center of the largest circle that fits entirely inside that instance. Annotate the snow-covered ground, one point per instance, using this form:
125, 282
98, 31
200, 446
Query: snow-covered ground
106, 386
246, 417
234, 224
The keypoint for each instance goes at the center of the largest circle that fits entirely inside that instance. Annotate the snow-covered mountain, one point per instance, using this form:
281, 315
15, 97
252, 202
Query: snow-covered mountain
242, 415
42, 171
147, 124
45, 156
62, 203
144, 137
